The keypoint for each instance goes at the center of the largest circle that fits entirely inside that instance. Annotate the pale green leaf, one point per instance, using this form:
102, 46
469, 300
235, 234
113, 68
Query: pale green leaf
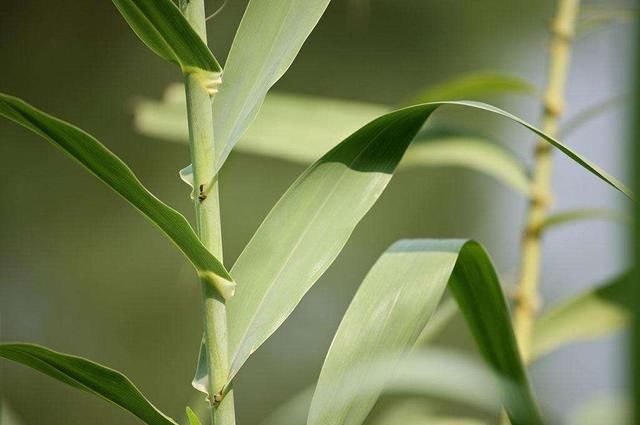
257, 59
296, 258
192, 417
572, 216
603, 409
589, 315
163, 28
87, 376
302, 128
418, 412
588, 114
7, 415
440, 373
452, 150
388, 313
473, 85
441, 318
595, 17
311, 223
102, 163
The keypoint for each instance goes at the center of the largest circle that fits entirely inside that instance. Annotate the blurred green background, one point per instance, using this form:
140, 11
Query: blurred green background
82, 272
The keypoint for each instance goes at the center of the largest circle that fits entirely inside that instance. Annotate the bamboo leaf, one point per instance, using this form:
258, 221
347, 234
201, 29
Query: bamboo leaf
571, 216
441, 373
597, 17
286, 120
102, 163
478, 154
302, 128
308, 227
417, 412
7, 415
257, 60
592, 314
389, 311
603, 409
311, 223
192, 417
593, 111
473, 85
87, 376
163, 28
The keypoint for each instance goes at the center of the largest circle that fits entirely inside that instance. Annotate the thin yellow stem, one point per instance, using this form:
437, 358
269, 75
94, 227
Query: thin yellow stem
528, 299
527, 303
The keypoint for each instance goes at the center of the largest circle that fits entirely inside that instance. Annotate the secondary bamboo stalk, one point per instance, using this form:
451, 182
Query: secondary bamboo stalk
528, 299
207, 205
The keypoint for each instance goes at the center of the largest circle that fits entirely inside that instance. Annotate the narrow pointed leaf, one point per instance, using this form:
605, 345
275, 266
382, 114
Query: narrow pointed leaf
257, 60
597, 17
87, 376
603, 409
163, 28
590, 113
475, 85
441, 373
388, 313
192, 417
308, 227
319, 212
592, 314
481, 155
102, 163
302, 128
572, 216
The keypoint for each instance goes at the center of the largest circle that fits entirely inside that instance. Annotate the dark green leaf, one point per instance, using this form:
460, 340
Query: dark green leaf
111, 170
163, 28
88, 376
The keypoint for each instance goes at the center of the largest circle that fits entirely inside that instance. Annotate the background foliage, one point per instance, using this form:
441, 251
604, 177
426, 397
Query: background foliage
62, 236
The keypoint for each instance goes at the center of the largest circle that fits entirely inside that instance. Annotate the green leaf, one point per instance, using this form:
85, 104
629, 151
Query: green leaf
593, 111
308, 227
7, 415
102, 163
481, 155
441, 318
474, 85
597, 17
257, 60
603, 409
592, 314
192, 417
571, 216
441, 373
88, 376
419, 412
389, 311
163, 28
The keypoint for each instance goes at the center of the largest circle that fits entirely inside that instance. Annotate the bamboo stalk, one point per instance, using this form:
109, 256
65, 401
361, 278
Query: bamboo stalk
207, 206
528, 299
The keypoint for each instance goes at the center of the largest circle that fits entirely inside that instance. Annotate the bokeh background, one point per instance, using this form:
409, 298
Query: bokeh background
82, 272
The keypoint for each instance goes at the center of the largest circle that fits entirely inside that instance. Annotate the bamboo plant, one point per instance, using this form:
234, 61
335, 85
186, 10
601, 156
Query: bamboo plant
302, 235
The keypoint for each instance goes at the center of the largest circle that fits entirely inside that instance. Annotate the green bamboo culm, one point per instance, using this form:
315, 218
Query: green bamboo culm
200, 90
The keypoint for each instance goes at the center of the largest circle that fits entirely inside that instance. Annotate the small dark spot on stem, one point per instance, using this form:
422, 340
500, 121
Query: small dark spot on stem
202, 196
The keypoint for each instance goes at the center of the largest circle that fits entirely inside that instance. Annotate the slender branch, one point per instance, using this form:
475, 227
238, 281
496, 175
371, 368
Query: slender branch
207, 205
528, 299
